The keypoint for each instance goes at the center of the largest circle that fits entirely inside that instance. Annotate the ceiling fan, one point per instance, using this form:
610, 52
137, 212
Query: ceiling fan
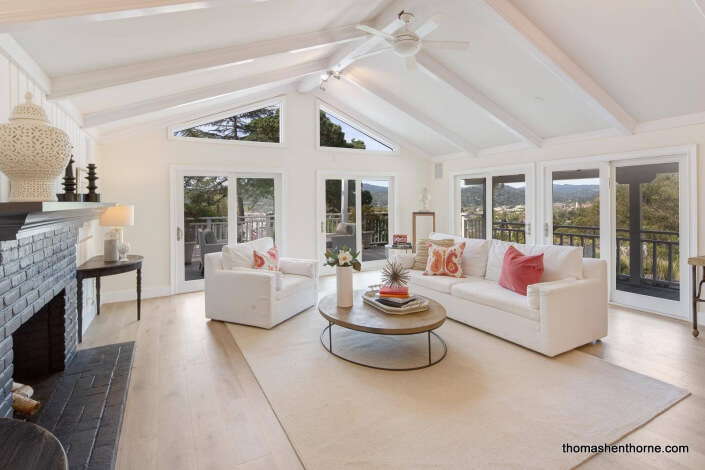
406, 43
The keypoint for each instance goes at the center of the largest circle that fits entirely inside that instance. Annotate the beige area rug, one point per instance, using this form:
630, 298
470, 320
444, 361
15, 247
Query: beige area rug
488, 404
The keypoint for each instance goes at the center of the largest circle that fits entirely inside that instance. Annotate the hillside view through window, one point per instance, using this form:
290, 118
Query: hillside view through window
335, 132
258, 125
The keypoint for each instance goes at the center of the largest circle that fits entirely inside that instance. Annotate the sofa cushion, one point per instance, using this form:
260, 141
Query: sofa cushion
493, 295
444, 261
242, 254
474, 261
293, 283
437, 283
520, 270
422, 251
559, 262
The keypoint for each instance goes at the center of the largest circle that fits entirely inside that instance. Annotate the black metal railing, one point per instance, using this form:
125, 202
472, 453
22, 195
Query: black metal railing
579, 235
376, 222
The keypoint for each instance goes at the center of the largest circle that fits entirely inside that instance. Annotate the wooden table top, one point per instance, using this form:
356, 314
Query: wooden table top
362, 317
697, 261
27, 446
99, 263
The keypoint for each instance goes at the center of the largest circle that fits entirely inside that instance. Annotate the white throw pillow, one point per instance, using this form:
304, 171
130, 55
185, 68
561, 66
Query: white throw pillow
474, 261
242, 254
559, 262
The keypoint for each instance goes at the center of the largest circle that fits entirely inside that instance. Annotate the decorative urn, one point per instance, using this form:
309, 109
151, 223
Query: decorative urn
33, 154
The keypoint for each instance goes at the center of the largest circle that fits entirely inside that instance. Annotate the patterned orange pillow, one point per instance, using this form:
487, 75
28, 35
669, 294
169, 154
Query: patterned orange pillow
445, 261
268, 261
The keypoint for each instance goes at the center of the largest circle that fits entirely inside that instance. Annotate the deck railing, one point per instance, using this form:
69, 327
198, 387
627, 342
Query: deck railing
660, 249
376, 222
249, 227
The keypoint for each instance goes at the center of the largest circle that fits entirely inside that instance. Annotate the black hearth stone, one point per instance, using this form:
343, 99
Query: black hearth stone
87, 403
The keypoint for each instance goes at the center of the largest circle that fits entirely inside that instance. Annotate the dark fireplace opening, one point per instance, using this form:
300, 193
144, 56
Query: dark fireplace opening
38, 345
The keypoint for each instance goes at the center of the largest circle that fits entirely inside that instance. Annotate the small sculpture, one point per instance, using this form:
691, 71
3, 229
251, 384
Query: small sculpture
425, 200
91, 196
394, 274
69, 184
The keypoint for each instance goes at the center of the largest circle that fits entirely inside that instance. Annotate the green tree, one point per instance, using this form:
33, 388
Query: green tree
259, 125
332, 135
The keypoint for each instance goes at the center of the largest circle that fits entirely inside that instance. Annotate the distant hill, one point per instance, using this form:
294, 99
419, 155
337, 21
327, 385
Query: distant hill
510, 196
380, 194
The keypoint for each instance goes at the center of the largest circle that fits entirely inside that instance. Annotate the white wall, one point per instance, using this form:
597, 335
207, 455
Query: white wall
137, 171
14, 83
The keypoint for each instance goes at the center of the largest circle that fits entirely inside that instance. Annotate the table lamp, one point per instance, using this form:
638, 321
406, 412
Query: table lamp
116, 217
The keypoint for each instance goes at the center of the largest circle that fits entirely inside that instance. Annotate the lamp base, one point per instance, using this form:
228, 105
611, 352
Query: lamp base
110, 250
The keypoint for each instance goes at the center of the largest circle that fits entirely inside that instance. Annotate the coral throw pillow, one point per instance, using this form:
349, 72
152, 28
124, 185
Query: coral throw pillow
520, 271
268, 261
444, 261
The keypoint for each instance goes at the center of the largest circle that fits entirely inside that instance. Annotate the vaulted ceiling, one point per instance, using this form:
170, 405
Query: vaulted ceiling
537, 72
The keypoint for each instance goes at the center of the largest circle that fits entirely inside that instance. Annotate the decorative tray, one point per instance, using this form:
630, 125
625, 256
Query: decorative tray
418, 305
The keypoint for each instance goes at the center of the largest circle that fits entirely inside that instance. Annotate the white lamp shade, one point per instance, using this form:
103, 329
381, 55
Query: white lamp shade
118, 216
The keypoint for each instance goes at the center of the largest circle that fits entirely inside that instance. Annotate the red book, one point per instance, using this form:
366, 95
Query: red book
385, 290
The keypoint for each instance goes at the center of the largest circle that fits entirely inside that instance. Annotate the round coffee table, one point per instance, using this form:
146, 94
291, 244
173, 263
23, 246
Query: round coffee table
365, 318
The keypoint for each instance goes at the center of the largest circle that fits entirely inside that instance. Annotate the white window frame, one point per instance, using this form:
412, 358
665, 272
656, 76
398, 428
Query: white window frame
278, 101
360, 127
530, 196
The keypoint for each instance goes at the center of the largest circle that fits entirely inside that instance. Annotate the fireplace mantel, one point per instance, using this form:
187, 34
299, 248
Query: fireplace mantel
22, 219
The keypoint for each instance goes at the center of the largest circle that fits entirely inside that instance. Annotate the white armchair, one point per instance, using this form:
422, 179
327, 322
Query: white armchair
256, 297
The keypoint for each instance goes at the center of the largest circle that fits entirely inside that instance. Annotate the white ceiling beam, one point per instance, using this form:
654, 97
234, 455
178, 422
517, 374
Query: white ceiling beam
198, 113
365, 85
21, 14
558, 62
437, 71
337, 105
63, 87
700, 5
179, 99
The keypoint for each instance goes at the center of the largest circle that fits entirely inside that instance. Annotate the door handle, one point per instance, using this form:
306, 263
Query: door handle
179, 233
545, 229
528, 228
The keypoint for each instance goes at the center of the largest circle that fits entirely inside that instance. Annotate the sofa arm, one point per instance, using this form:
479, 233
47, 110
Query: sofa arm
533, 291
302, 267
572, 313
405, 259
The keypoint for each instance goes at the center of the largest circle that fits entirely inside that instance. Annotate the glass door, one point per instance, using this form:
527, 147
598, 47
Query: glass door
217, 208
650, 215
576, 209
497, 205
374, 203
339, 225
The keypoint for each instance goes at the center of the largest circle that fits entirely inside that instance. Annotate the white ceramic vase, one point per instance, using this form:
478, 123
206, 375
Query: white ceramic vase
33, 154
344, 281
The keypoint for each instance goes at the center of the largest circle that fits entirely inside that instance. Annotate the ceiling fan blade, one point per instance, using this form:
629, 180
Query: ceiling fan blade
430, 25
376, 32
370, 54
451, 45
411, 63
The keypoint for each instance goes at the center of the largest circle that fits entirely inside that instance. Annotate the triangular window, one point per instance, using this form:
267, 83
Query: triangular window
336, 132
256, 125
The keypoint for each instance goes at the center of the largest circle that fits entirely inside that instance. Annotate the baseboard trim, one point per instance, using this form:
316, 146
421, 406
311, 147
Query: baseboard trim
125, 295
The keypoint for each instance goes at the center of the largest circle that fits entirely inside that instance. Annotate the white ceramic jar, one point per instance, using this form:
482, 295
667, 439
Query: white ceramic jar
33, 154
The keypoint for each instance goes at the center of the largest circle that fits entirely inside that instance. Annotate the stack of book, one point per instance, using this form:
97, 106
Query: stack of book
394, 296
402, 245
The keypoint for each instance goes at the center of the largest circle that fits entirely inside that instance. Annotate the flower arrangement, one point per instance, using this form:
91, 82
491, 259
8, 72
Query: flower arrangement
343, 258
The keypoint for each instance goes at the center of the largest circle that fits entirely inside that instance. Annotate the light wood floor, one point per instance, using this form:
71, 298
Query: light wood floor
193, 402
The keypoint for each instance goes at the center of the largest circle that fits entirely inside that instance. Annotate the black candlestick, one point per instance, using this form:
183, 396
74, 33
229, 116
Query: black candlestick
91, 196
69, 184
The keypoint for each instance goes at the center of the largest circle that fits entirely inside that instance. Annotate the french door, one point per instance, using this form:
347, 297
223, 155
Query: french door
633, 213
497, 204
356, 211
215, 208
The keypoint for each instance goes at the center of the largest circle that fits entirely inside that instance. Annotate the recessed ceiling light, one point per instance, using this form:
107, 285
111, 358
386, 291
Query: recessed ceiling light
539, 99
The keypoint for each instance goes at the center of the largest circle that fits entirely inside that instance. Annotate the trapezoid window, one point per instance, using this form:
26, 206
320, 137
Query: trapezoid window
256, 125
335, 132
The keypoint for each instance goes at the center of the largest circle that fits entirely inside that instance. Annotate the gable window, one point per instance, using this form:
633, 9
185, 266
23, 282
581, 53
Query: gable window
260, 124
334, 131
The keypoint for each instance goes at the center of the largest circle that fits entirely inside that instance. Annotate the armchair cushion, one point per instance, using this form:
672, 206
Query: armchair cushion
242, 254
301, 267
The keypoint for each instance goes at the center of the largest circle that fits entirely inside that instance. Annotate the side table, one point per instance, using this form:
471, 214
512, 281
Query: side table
97, 267
697, 289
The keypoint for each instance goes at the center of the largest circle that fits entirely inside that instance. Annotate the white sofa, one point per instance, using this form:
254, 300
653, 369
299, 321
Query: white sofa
236, 292
567, 309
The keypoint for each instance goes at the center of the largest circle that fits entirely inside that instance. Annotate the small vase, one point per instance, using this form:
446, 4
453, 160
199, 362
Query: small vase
344, 280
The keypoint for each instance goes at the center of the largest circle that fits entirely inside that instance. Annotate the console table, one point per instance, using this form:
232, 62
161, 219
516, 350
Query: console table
97, 267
